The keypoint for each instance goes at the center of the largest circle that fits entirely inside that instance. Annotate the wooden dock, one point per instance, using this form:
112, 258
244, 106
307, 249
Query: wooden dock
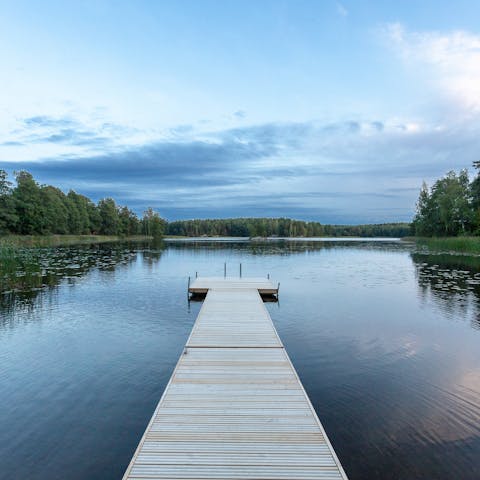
234, 407
262, 285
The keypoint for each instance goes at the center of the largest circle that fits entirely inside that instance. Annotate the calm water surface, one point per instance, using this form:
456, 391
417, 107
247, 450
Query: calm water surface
385, 339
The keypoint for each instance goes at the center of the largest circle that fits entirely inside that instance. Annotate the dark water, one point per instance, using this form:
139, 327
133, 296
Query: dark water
385, 339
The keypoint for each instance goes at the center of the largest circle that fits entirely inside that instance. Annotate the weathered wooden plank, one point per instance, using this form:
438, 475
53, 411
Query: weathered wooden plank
237, 447
258, 472
308, 459
237, 437
234, 407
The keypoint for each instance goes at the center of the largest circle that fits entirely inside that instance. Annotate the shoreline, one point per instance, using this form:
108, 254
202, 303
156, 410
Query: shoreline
467, 244
448, 244
38, 241
221, 238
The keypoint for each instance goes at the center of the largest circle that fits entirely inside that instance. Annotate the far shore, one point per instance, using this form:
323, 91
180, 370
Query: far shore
33, 241
247, 239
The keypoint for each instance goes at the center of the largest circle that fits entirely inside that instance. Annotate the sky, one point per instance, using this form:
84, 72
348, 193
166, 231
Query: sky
316, 110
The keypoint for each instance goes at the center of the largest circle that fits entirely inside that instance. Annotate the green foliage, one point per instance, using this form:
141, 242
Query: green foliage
43, 210
18, 267
109, 218
78, 218
129, 224
8, 216
449, 244
8, 258
153, 224
281, 227
41, 241
28, 205
33, 209
56, 210
449, 208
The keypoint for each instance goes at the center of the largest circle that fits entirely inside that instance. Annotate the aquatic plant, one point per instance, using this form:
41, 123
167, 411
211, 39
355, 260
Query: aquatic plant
18, 267
451, 244
39, 241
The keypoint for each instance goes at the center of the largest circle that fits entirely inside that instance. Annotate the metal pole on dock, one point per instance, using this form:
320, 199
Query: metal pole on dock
240, 270
225, 270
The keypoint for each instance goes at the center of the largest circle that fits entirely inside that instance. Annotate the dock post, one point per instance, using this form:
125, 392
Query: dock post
240, 270
268, 276
225, 270
196, 274
278, 288
188, 286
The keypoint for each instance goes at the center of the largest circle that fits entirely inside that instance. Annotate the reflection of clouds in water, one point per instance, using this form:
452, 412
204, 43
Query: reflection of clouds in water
450, 404
410, 348
418, 396
387, 348
453, 414
397, 384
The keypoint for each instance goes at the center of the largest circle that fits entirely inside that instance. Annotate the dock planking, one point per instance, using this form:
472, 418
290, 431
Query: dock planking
234, 407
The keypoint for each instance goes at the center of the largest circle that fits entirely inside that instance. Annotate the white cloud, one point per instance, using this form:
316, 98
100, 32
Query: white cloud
341, 10
450, 61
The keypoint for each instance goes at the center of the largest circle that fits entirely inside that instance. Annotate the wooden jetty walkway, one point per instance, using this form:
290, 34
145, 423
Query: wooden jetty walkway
234, 407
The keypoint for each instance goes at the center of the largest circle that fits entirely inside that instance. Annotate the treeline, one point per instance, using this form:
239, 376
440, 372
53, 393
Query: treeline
281, 227
451, 207
28, 208
32, 209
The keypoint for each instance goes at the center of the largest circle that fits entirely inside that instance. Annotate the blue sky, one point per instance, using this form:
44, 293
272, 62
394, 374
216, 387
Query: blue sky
318, 110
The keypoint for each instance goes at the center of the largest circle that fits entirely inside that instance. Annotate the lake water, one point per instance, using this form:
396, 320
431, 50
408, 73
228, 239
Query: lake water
386, 341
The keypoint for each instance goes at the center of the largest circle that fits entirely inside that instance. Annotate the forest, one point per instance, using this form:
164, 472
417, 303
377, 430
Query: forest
281, 227
32, 209
28, 208
450, 208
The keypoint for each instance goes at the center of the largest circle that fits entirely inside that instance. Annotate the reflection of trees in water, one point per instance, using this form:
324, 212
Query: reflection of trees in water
452, 281
279, 246
152, 252
53, 266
